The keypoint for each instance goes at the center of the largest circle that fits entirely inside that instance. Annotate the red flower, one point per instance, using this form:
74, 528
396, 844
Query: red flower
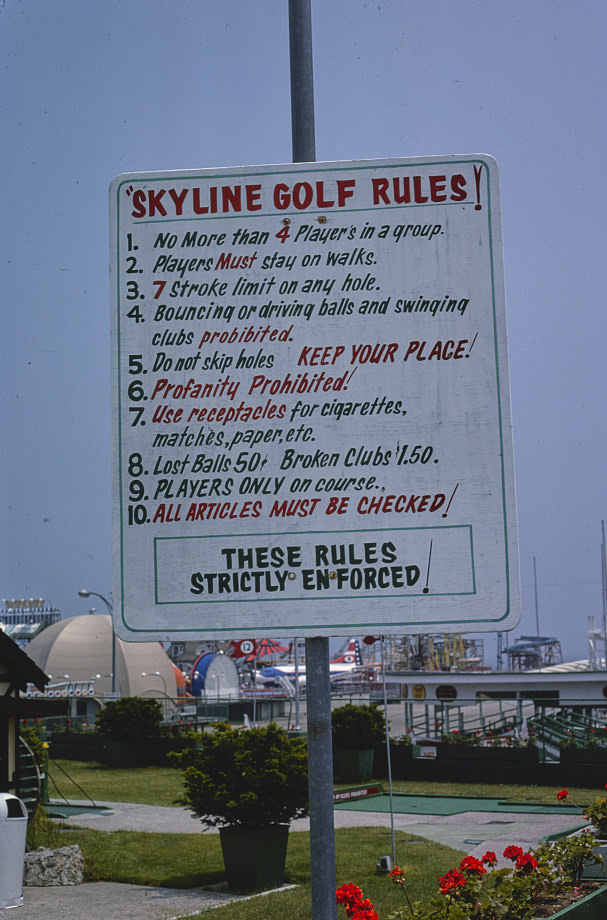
453, 879
350, 895
562, 795
364, 911
490, 858
472, 866
526, 864
513, 853
397, 874
357, 907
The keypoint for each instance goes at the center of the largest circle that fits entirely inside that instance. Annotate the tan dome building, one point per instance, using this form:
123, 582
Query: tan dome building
79, 649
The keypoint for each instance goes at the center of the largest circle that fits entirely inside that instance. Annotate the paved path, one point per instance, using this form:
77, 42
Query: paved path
113, 901
473, 832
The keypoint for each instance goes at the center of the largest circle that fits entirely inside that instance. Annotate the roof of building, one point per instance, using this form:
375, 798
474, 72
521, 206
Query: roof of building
80, 649
18, 667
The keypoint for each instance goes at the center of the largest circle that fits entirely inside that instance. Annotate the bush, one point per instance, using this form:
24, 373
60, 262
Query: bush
248, 778
357, 728
130, 719
35, 744
575, 743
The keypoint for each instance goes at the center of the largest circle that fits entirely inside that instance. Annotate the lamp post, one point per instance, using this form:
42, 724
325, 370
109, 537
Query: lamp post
157, 674
96, 677
166, 692
85, 593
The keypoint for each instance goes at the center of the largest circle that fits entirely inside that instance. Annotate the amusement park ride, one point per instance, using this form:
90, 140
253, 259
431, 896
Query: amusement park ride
265, 666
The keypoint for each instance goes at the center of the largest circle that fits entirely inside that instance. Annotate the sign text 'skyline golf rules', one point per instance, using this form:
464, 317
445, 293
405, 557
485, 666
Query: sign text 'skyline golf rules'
312, 431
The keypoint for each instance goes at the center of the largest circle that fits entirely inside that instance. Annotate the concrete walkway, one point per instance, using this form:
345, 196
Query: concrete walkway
473, 832
113, 901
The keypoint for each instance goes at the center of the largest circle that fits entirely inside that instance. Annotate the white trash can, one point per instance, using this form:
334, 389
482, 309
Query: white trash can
13, 828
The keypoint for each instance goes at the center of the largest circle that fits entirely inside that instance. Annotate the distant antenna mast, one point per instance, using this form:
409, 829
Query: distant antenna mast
537, 612
604, 592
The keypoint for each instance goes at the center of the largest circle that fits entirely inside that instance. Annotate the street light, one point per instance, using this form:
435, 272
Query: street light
96, 677
157, 674
85, 593
166, 693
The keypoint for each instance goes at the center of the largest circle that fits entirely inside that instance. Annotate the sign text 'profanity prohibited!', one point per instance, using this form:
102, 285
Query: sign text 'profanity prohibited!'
311, 401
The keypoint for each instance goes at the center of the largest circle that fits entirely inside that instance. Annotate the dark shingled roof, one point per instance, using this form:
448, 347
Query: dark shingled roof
18, 668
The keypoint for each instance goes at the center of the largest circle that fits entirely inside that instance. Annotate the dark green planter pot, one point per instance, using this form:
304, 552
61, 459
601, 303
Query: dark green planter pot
591, 907
78, 749
121, 754
486, 754
353, 766
401, 757
135, 754
597, 870
577, 755
254, 858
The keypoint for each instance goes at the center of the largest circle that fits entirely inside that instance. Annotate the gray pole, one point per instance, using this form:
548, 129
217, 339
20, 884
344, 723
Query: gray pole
297, 697
110, 609
318, 681
537, 612
302, 81
389, 758
320, 779
604, 590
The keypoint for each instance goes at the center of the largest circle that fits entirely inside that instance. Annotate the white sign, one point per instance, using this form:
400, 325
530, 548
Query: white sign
311, 403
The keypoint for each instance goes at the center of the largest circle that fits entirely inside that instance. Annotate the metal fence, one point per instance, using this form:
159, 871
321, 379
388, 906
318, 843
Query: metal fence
569, 724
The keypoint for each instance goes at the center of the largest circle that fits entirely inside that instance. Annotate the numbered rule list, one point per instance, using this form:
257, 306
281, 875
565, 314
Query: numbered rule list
311, 409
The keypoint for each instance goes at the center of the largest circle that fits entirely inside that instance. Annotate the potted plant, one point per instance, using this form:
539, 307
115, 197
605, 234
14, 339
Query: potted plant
583, 750
250, 783
130, 733
458, 745
126, 725
401, 755
356, 730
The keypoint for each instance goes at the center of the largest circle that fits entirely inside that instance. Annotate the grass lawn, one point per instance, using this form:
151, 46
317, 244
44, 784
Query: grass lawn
163, 785
74, 779
195, 860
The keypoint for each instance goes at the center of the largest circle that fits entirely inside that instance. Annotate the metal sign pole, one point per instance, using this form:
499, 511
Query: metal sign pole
302, 81
388, 755
318, 684
320, 779
297, 697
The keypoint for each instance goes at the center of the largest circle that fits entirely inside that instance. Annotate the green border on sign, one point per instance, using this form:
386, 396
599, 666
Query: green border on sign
294, 170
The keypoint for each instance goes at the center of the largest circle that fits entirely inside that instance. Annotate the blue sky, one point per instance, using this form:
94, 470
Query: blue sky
91, 90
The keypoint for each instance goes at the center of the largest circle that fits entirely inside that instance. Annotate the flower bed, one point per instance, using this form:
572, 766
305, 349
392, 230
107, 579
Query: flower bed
487, 746
489, 753
595, 813
544, 882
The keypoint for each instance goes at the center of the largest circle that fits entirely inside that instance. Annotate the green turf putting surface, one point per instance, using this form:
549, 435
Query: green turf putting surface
406, 804
68, 810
